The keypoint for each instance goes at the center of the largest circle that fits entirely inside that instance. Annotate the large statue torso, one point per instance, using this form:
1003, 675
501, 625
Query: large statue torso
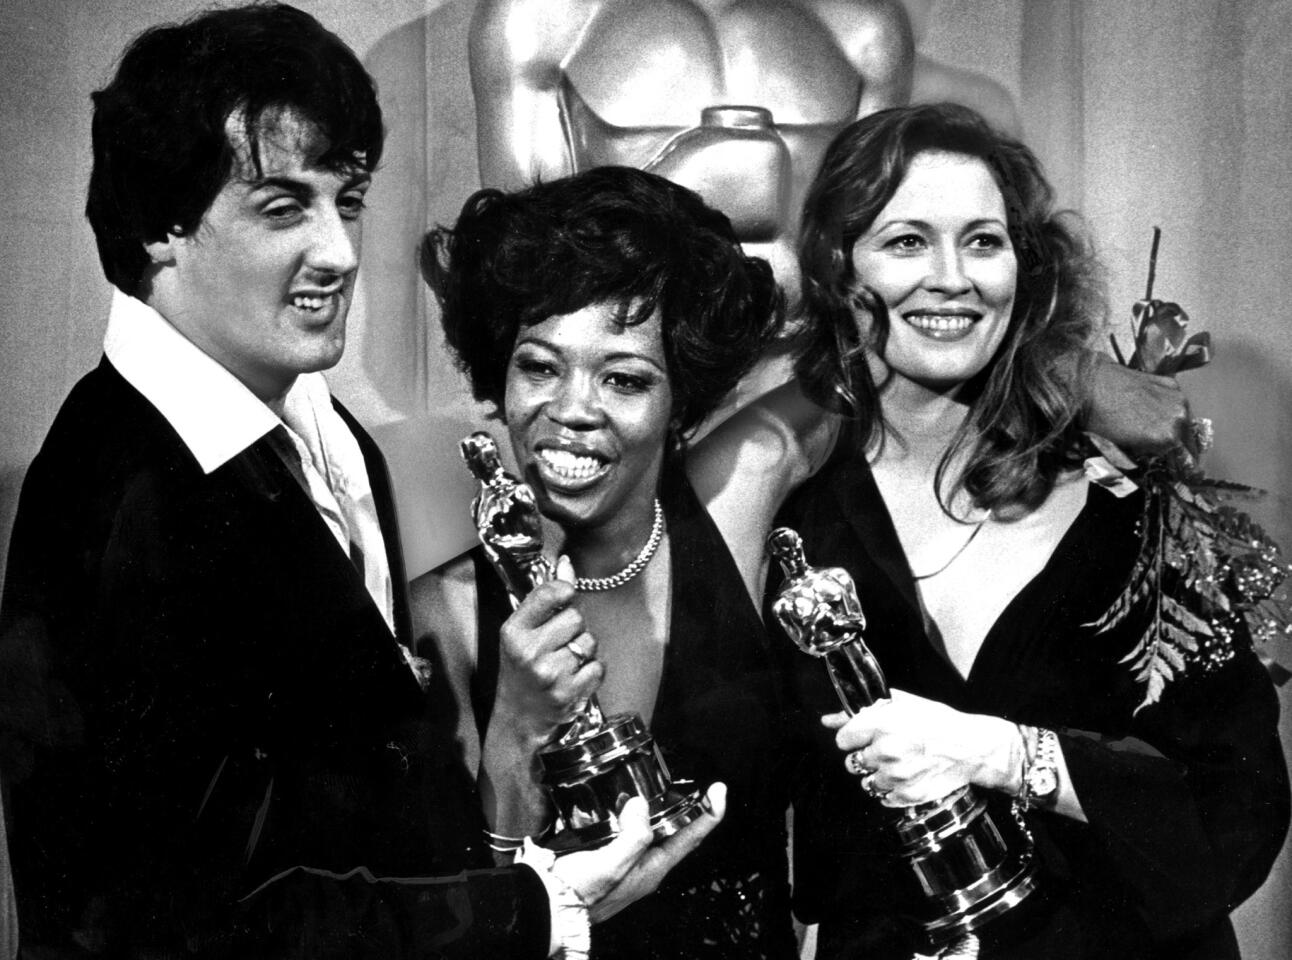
635, 90
643, 64
649, 83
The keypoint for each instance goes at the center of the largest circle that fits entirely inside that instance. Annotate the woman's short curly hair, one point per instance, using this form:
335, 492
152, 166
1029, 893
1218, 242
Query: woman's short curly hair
1022, 426
609, 235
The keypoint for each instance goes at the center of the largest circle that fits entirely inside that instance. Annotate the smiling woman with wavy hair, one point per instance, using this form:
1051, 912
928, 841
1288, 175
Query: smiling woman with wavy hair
1026, 402
945, 308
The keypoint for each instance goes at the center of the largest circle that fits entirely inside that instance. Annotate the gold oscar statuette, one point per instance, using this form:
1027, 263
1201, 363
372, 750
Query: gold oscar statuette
969, 866
596, 763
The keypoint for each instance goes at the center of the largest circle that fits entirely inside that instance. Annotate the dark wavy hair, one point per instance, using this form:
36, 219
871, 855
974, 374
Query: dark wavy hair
161, 152
611, 234
1021, 429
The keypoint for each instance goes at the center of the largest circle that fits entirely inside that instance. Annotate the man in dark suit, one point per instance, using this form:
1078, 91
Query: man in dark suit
215, 737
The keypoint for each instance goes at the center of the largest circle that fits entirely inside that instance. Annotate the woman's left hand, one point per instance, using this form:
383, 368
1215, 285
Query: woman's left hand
911, 750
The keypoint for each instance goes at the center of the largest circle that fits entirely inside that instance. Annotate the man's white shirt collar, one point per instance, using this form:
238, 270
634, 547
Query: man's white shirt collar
215, 415
217, 418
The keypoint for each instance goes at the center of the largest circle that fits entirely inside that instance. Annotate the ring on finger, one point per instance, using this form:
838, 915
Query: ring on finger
856, 765
1202, 432
868, 786
581, 657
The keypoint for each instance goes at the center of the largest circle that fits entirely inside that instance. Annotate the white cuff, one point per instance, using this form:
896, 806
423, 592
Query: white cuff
571, 937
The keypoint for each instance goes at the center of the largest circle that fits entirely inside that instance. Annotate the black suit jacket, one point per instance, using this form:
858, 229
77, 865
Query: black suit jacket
212, 742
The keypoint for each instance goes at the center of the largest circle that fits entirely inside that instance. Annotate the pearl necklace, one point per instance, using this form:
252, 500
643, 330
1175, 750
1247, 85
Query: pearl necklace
636, 566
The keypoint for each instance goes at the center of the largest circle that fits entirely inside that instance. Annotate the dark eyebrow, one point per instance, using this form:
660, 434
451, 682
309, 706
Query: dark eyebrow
904, 222
294, 187
618, 355
629, 355
923, 225
300, 189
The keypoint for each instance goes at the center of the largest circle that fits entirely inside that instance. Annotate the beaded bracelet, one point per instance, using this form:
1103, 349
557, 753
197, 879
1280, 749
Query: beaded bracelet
1020, 804
1029, 735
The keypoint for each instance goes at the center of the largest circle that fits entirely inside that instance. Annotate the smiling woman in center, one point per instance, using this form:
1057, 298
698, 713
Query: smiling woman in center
604, 316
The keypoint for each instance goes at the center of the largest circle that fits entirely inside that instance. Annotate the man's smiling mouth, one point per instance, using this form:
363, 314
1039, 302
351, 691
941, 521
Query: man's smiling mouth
311, 303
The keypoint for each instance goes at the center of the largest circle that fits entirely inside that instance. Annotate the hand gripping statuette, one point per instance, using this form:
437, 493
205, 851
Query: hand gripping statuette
969, 866
597, 763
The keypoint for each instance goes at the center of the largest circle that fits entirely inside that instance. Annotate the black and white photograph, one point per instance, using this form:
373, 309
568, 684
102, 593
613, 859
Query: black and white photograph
646, 479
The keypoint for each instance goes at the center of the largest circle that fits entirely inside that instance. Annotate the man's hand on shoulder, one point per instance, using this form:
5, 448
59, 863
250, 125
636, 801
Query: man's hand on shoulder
1141, 413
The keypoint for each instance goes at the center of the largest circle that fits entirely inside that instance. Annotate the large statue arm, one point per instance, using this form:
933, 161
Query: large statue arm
875, 36
516, 49
746, 467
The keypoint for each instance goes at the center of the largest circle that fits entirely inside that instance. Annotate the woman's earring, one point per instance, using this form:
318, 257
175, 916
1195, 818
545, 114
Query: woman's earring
674, 442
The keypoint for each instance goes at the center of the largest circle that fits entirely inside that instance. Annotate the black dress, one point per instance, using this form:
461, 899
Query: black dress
1187, 799
717, 717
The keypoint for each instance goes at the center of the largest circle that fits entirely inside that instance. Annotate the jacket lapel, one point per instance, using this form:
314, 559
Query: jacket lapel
312, 569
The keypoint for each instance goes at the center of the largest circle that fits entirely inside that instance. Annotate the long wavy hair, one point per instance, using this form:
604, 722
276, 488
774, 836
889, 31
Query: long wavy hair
1022, 425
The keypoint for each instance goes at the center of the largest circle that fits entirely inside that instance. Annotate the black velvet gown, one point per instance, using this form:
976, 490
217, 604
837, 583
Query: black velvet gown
718, 716
1187, 799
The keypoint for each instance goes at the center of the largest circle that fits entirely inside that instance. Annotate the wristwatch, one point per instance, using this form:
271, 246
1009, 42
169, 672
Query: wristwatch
1041, 778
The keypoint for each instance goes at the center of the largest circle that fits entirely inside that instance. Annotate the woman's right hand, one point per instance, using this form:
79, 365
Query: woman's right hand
547, 662
915, 750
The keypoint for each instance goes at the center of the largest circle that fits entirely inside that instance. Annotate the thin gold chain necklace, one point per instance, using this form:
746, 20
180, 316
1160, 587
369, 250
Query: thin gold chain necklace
955, 556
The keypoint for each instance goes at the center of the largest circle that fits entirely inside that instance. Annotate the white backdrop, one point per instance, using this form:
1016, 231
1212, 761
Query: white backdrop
1168, 112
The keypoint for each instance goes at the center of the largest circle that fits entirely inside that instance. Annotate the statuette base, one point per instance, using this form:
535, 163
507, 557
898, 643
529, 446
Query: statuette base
591, 777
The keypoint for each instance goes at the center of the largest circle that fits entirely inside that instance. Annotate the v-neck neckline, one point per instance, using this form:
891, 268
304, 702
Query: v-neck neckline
695, 542
863, 505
